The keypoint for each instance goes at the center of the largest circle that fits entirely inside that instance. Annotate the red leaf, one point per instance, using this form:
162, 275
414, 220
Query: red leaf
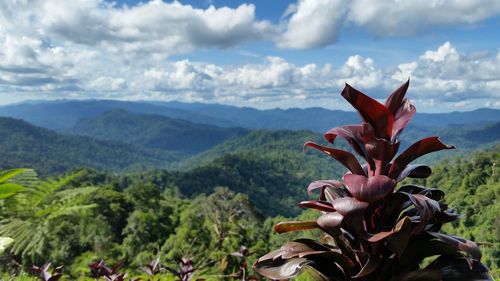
330, 221
394, 101
322, 183
402, 225
371, 111
416, 150
344, 157
369, 189
354, 135
330, 194
427, 209
461, 244
349, 206
317, 205
402, 118
415, 171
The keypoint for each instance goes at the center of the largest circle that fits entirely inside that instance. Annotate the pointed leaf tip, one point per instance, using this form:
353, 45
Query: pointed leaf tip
371, 111
394, 100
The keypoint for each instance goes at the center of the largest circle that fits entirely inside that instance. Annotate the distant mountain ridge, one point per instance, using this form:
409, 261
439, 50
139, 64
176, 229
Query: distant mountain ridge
48, 152
154, 131
61, 115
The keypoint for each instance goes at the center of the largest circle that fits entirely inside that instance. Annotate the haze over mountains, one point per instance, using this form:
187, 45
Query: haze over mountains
64, 114
136, 136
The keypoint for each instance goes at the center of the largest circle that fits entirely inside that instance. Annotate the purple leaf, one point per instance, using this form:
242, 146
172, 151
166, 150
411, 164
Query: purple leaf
416, 150
330, 221
402, 118
349, 206
371, 111
317, 205
415, 171
393, 102
280, 269
323, 183
432, 193
344, 157
369, 189
354, 135
454, 268
461, 244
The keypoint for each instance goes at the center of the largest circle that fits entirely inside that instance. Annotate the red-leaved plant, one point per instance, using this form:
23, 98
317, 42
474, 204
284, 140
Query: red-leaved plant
373, 230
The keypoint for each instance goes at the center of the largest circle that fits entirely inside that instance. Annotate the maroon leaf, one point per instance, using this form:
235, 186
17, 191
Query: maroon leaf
323, 183
371, 111
331, 194
427, 209
402, 118
416, 150
461, 244
293, 257
402, 225
349, 206
353, 134
280, 269
369, 189
317, 205
294, 248
370, 266
415, 171
393, 102
432, 193
287, 226
330, 221
344, 157
397, 238
454, 268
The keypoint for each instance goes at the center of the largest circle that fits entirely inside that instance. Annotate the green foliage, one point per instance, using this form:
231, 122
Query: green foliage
49, 153
7, 187
137, 217
472, 184
155, 131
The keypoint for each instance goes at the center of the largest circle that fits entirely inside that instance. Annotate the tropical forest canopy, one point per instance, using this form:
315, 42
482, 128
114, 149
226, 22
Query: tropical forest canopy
138, 181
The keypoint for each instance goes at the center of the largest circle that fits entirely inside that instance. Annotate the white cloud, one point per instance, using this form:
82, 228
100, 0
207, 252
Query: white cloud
318, 23
407, 17
313, 23
449, 75
88, 48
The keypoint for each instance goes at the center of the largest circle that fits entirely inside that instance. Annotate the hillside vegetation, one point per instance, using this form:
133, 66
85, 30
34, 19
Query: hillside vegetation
154, 131
134, 218
25, 145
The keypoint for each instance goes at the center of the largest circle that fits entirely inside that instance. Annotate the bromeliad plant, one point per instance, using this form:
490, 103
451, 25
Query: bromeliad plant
373, 230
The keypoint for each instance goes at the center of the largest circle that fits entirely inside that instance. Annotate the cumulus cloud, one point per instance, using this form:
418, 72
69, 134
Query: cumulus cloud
396, 17
447, 75
94, 49
313, 23
318, 23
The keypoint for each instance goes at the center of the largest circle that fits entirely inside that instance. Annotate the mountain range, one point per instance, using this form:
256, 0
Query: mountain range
137, 136
64, 114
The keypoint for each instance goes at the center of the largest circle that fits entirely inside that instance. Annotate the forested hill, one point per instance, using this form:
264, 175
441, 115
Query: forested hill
154, 131
135, 218
64, 114
472, 186
25, 145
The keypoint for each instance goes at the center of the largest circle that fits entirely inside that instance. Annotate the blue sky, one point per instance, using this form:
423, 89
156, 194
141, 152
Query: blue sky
262, 54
